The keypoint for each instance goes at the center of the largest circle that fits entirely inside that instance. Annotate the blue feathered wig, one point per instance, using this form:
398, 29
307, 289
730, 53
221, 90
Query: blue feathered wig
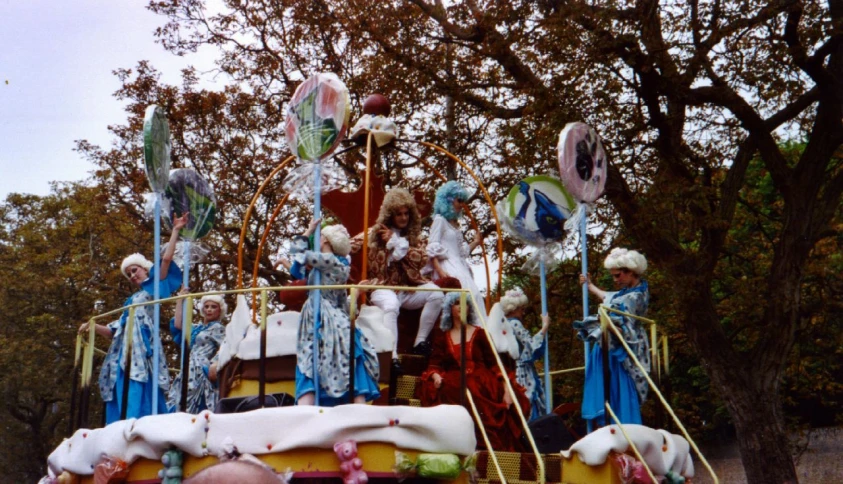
451, 298
445, 196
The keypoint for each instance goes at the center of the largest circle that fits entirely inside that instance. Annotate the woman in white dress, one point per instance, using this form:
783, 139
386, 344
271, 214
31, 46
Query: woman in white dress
447, 249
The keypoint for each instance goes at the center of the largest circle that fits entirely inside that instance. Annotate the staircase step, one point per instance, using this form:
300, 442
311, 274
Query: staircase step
518, 468
406, 386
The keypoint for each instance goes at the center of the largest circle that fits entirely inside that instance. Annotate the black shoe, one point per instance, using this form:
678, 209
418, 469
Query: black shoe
422, 349
396, 367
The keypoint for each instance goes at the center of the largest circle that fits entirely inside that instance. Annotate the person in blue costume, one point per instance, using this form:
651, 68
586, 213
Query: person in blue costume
335, 328
205, 341
141, 273
530, 349
628, 386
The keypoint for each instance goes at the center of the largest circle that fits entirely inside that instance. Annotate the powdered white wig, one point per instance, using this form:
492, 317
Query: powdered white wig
620, 258
513, 299
135, 260
337, 236
217, 299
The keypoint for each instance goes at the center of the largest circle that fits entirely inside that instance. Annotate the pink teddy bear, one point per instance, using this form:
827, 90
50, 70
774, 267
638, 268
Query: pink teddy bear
350, 465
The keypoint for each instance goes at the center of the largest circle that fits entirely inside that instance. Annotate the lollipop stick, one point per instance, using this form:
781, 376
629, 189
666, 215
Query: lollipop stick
548, 391
156, 338
316, 295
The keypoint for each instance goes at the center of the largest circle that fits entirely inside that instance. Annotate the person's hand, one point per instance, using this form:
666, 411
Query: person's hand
311, 227
212, 372
384, 233
367, 282
584, 279
442, 274
184, 291
545, 323
181, 222
478, 238
507, 399
83, 328
437, 380
356, 245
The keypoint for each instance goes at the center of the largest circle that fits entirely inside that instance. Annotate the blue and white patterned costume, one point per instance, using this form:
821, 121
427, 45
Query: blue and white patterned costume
205, 342
530, 350
112, 375
628, 386
334, 334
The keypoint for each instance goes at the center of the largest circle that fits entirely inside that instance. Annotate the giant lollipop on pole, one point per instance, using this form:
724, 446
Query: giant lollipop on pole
535, 212
583, 166
156, 155
187, 192
316, 123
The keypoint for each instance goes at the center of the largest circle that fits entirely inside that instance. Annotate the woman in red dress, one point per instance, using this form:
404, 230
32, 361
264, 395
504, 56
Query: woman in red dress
440, 383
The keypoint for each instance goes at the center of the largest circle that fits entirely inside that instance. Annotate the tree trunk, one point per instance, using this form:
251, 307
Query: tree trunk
748, 387
763, 442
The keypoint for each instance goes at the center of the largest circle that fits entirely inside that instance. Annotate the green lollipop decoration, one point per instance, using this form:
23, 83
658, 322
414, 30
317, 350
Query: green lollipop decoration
188, 192
156, 148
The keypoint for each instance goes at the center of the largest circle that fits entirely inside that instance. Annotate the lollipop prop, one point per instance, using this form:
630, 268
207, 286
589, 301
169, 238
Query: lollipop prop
316, 123
156, 155
583, 166
535, 212
187, 192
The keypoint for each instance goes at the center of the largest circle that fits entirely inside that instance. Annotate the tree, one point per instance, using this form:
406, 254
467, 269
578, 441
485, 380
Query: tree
59, 263
685, 95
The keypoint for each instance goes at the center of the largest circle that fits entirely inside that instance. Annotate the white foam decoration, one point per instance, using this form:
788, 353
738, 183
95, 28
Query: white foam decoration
594, 448
501, 331
235, 331
678, 454
441, 429
382, 128
370, 322
282, 334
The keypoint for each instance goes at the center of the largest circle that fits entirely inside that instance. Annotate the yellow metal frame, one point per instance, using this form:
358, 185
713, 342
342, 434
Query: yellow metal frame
607, 325
367, 192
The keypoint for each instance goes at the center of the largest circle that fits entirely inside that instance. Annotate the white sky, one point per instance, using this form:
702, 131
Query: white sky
56, 85
57, 57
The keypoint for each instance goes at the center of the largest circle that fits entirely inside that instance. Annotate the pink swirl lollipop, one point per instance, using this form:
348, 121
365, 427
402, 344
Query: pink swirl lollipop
582, 162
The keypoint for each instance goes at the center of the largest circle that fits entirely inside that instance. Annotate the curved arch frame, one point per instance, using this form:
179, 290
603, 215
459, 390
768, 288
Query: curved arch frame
367, 192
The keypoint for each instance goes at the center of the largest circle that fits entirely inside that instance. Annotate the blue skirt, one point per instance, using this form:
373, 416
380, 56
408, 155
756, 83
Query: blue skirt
364, 383
140, 399
622, 394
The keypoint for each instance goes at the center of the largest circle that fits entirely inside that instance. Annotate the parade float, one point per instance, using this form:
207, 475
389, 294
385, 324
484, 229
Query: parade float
392, 438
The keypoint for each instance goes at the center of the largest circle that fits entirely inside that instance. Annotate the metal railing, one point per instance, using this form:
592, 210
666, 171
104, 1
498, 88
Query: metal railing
86, 349
606, 326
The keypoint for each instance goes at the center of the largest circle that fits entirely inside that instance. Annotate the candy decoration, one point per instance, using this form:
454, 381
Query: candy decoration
317, 117
582, 162
536, 210
156, 147
189, 192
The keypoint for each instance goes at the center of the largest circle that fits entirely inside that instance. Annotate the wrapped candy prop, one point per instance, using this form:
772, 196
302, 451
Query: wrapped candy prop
432, 466
156, 147
316, 123
189, 192
156, 154
583, 167
535, 212
582, 162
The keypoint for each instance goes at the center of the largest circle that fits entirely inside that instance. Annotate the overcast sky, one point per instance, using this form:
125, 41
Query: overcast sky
56, 82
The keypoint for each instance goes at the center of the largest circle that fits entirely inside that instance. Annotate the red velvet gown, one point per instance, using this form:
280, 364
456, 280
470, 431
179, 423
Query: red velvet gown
483, 380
